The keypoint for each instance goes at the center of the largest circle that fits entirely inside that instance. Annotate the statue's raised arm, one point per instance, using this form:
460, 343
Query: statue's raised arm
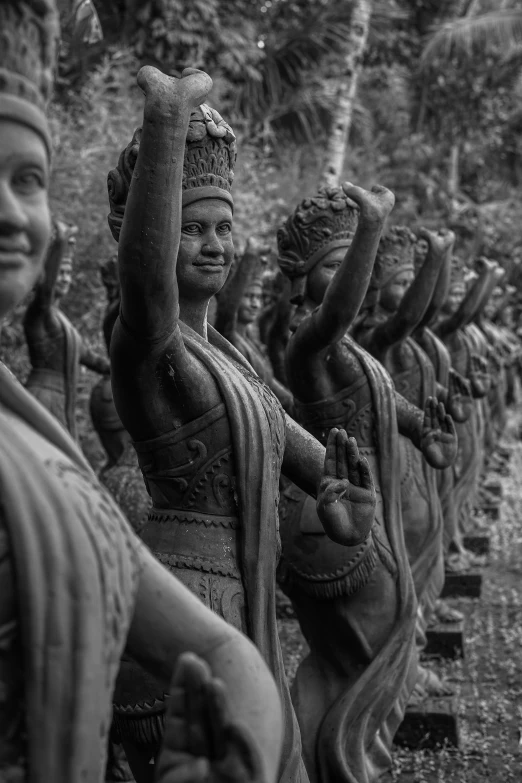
151, 227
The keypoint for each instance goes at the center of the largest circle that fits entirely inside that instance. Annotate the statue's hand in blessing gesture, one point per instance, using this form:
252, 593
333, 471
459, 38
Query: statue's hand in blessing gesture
346, 497
202, 743
439, 439
460, 401
479, 376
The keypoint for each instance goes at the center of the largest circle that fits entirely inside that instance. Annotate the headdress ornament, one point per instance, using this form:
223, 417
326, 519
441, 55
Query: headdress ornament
395, 254
317, 226
29, 33
208, 164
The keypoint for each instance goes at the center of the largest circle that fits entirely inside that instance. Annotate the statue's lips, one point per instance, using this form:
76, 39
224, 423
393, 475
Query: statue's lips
209, 266
10, 259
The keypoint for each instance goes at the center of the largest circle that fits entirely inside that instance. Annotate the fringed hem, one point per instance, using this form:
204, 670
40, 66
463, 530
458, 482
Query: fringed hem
145, 730
333, 588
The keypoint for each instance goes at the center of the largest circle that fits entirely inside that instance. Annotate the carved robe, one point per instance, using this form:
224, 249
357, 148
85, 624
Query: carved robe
71, 604
424, 534
220, 536
356, 605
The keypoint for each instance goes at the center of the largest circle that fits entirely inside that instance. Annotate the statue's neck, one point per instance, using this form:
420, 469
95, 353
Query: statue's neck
241, 328
194, 314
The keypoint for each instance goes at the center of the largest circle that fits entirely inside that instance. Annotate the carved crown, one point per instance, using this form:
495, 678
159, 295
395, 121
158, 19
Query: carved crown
395, 254
209, 160
29, 33
316, 224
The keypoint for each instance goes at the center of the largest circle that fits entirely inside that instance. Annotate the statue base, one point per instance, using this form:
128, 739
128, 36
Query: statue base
430, 725
467, 584
445, 640
478, 543
492, 512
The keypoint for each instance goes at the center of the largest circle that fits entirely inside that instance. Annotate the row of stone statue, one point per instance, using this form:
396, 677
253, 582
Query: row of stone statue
389, 340
388, 381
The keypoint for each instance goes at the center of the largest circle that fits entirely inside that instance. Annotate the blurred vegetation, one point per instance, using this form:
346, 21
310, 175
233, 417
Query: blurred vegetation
437, 116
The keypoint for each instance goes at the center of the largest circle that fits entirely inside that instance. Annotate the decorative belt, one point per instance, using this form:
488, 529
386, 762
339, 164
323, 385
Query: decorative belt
182, 538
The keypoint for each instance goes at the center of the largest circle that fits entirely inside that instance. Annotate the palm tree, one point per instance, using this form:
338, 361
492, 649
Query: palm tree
478, 27
481, 26
343, 85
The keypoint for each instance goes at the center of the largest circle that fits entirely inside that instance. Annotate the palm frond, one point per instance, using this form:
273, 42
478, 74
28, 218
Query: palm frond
471, 34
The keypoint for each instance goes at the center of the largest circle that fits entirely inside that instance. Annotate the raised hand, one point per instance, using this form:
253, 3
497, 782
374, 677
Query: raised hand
460, 400
439, 439
479, 376
375, 204
202, 743
483, 265
439, 241
346, 497
166, 95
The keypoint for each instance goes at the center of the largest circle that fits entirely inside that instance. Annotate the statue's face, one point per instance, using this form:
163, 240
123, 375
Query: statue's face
421, 251
25, 220
493, 303
64, 278
322, 274
393, 292
251, 304
454, 299
206, 249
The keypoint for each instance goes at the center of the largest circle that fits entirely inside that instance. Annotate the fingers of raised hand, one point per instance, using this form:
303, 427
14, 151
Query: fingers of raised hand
449, 425
330, 457
351, 455
365, 475
219, 717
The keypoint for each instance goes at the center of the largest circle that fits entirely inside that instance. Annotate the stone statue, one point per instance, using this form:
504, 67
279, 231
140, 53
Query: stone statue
77, 585
211, 437
113, 436
239, 306
396, 303
56, 349
451, 388
491, 405
457, 311
356, 605
500, 355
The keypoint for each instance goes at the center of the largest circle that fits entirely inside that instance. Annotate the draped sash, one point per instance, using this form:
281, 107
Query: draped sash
78, 565
427, 569
257, 428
